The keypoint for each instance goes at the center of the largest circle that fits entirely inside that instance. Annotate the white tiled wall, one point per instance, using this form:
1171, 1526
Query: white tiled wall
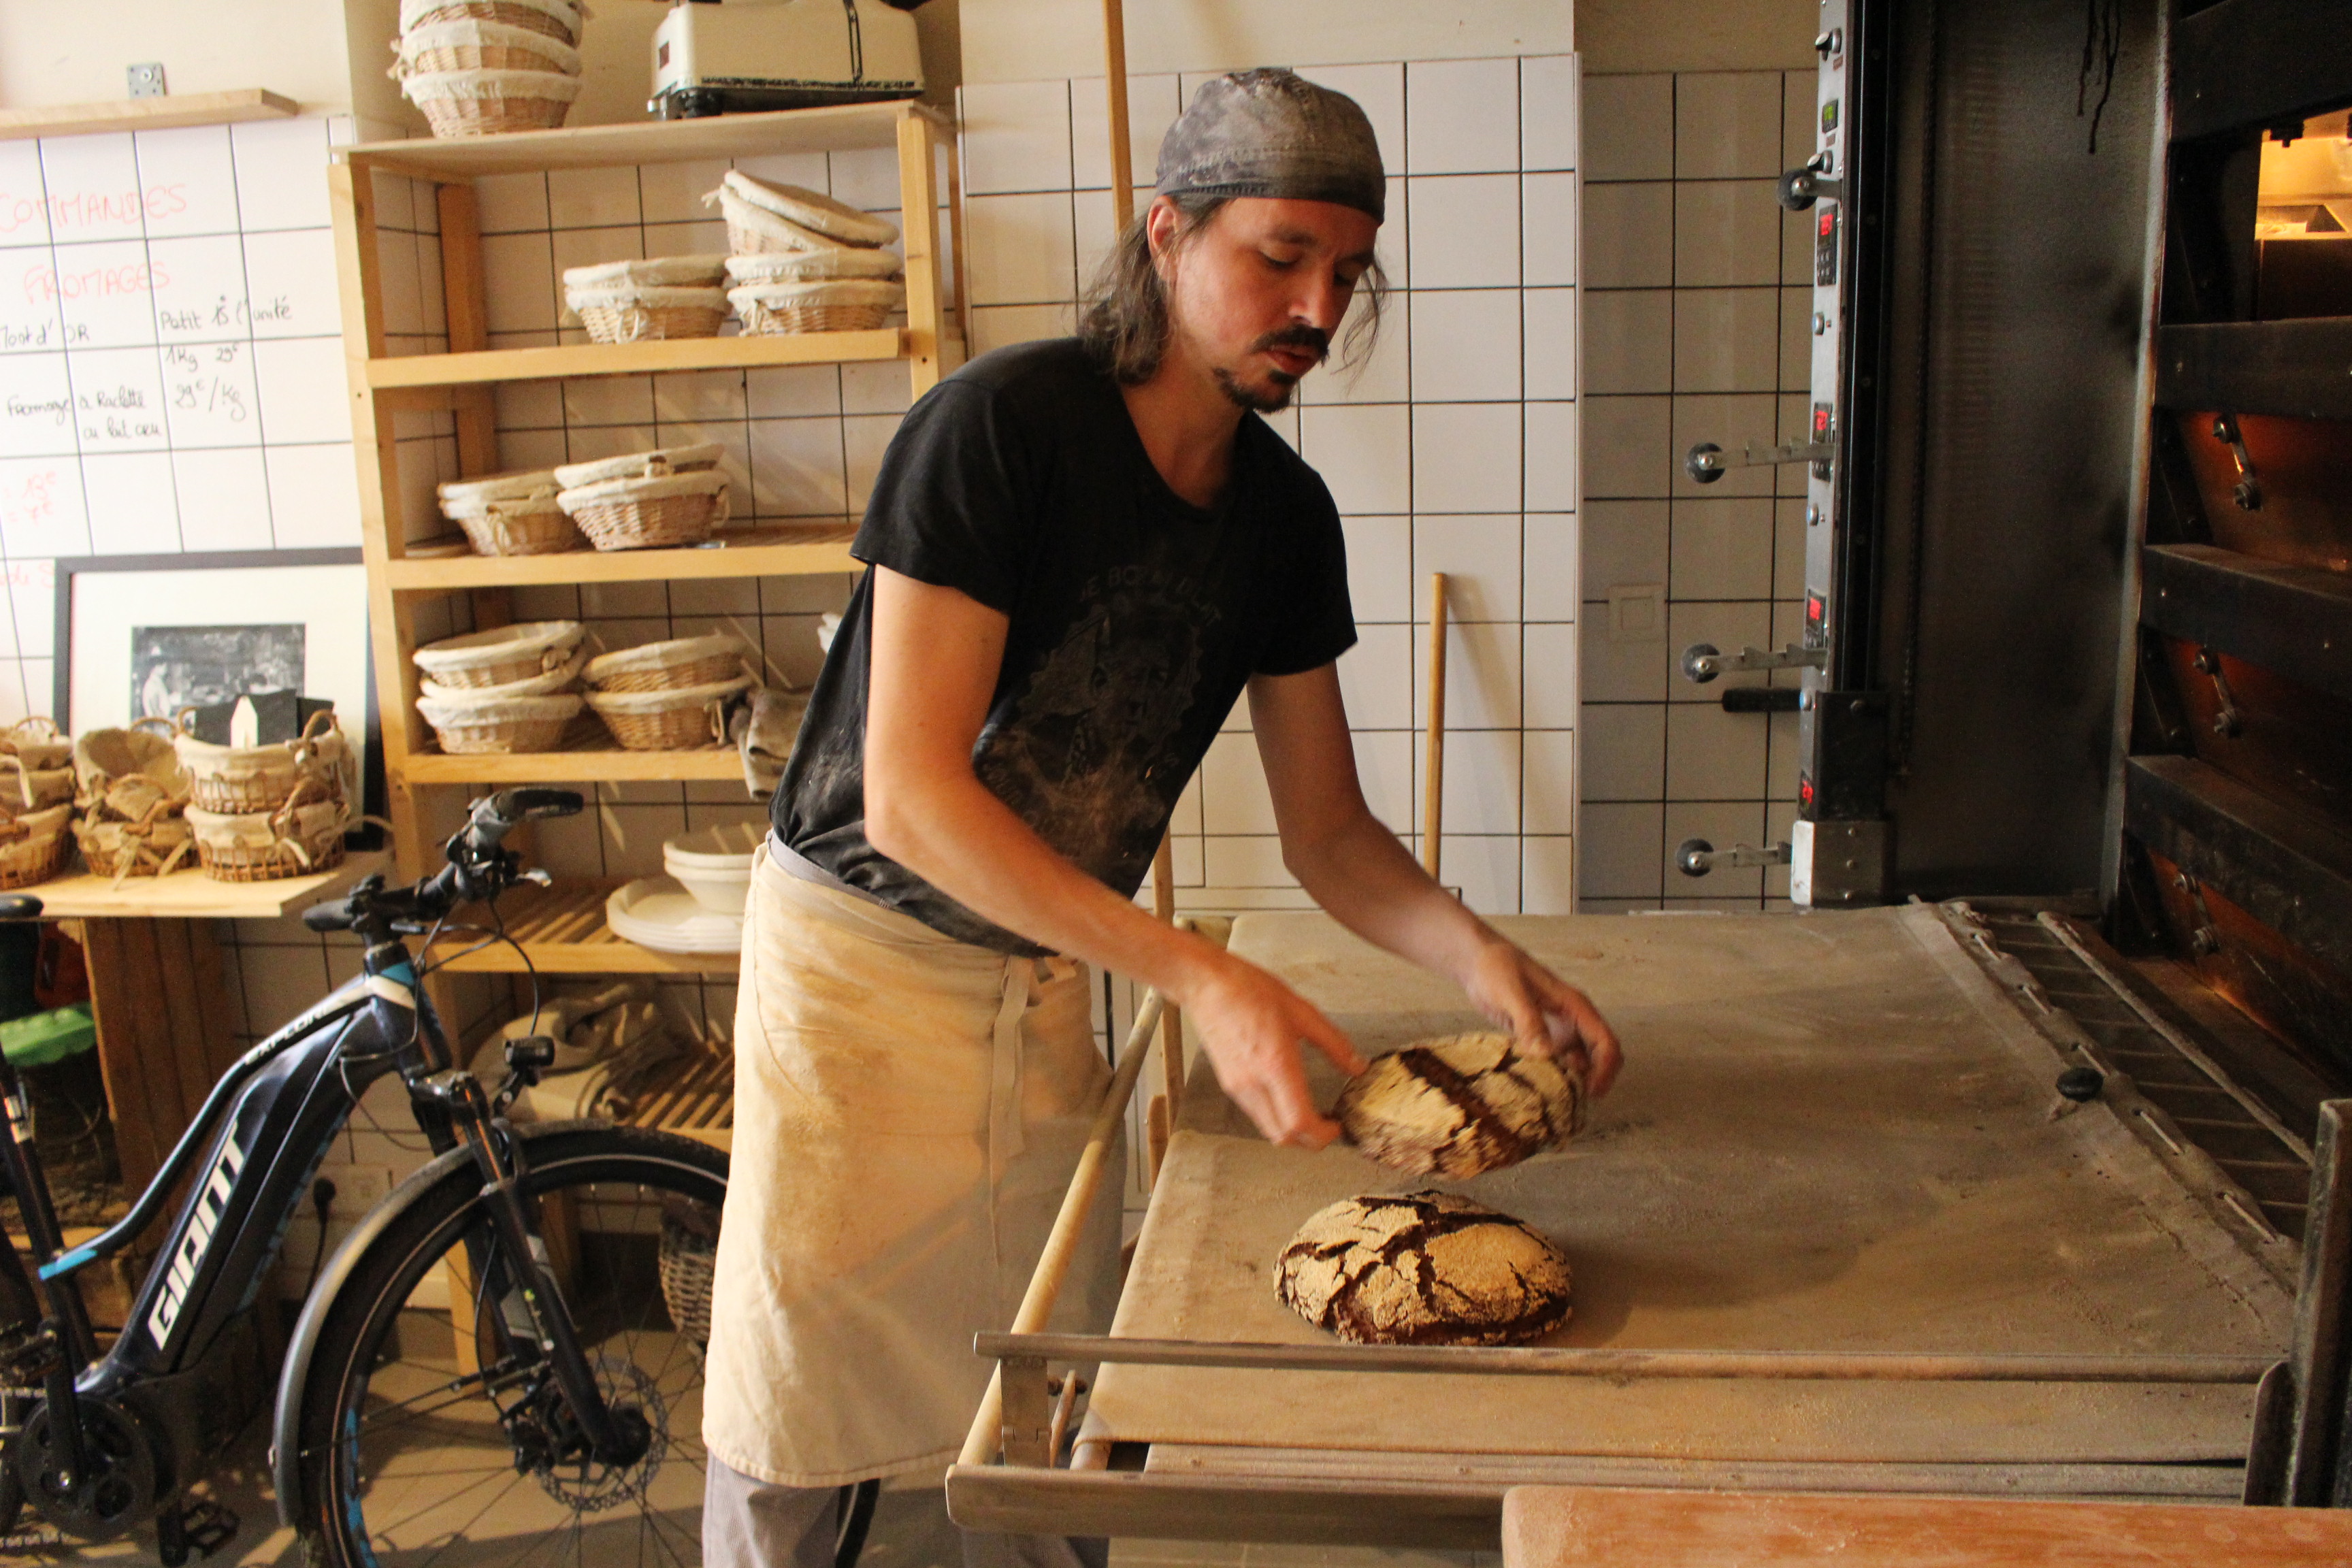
1695, 329
1453, 449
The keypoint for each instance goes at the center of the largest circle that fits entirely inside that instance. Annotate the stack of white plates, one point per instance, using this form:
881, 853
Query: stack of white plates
659, 913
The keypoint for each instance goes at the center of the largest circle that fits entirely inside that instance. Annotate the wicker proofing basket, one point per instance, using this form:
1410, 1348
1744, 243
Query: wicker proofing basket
644, 465
129, 775
688, 1262
25, 789
233, 779
656, 271
303, 836
536, 525
754, 230
670, 666
33, 847
549, 685
639, 514
501, 656
685, 719
810, 210
636, 313
481, 45
506, 724
488, 102
834, 262
846, 305
556, 19
37, 742
126, 850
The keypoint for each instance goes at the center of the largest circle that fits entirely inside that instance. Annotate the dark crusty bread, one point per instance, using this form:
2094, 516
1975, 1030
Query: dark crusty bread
1460, 1105
1427, 1269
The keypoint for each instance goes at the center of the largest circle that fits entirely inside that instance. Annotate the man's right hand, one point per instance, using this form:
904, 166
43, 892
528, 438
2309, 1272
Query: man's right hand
1251, 1025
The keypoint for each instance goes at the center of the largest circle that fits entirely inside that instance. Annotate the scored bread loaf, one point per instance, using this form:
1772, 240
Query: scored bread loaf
1460, 1105
1426, 1269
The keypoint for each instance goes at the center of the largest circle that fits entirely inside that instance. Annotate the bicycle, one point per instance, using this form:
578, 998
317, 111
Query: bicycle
562, 1404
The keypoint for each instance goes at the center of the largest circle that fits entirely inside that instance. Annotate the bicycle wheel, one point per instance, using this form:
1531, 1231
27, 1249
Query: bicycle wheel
412, 1452
20, 1328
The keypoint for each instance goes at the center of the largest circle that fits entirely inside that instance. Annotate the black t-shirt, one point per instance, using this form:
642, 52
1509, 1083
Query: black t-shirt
1137, 618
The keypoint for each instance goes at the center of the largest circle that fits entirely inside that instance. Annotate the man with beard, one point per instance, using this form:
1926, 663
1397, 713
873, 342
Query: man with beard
1081, 552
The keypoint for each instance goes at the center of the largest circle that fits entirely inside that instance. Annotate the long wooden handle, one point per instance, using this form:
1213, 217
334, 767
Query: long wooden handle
1122, 163
1062, 1243
1433, 794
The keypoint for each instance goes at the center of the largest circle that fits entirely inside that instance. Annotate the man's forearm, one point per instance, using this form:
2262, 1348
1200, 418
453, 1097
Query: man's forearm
1365, 878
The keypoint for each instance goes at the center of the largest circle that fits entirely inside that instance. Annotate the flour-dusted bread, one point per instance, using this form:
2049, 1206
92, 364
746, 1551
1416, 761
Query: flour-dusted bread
1460, 1105
1427, 1269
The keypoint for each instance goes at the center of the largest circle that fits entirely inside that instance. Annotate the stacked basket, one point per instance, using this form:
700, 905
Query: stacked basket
132, 793
638, 301
480, 67
671, 496
670, 696
804, 262
259, 813
511, 514
508, 689
35, 802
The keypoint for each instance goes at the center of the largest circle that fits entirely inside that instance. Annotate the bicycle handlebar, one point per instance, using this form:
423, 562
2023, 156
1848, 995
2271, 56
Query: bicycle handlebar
475, 864
19, 907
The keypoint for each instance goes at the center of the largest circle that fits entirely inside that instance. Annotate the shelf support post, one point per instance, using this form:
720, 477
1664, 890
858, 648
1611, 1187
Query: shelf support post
919, 219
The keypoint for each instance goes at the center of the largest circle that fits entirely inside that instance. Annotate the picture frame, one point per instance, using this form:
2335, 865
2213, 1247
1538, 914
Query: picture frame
140, 635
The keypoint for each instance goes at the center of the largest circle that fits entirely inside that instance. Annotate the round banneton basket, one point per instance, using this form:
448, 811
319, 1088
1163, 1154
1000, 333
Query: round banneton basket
262, 778
131, 788
501, 725
486, 104
125, 849
37, 742
833, 263
809, 211
534, 525
639, 313
559, 19
32, 846
656, 272
303, 836
687, 718
845, 305
481, 45
648, 464
671, 665
639, 514
24, 788
501, 656
546, 685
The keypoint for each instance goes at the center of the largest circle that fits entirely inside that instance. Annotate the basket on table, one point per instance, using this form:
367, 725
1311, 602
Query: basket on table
501, 654
471, 45
764, 216
639, 301
489, 102
659, 510
37, 742
132, 791
32, 846
511, 514
558, 19
262, 778
670, 665
681, 718
818, 305
302, 835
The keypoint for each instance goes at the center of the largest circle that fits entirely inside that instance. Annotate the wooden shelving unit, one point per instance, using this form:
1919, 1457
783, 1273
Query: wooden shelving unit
562, 929
167, 112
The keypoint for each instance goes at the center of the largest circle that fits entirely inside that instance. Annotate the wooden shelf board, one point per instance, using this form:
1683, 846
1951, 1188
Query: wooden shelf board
189, 894
582, 766
840, 127
636, 359
562, 930
162, 114
768, 553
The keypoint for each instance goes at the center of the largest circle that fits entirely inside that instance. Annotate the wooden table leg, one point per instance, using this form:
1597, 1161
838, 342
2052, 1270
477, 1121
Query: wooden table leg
159, 992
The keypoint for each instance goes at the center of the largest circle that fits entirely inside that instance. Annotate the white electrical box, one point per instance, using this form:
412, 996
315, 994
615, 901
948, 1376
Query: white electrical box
725, 56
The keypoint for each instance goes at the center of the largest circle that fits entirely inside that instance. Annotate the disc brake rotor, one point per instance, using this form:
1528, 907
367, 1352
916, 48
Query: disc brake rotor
117, 1488
589, 1485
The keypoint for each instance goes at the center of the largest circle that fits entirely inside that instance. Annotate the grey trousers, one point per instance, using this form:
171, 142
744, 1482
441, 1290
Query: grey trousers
749, 1524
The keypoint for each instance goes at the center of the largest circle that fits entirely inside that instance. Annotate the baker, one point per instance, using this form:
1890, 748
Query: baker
1081, 552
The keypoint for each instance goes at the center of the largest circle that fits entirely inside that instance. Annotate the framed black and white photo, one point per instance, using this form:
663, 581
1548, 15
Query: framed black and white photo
146, 635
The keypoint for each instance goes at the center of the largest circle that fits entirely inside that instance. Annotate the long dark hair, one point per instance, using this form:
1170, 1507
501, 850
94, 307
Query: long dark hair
1123, 321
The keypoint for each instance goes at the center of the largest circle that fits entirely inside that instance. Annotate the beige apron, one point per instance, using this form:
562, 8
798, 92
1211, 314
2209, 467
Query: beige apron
908, 1112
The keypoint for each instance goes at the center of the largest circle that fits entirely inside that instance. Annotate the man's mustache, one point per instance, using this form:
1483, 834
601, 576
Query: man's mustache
1313, 340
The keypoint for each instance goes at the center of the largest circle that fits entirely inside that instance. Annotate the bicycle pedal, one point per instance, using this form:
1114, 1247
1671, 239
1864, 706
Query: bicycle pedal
204, 1528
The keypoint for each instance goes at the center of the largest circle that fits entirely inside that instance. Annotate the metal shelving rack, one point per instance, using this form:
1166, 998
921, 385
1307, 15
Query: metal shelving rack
401, 573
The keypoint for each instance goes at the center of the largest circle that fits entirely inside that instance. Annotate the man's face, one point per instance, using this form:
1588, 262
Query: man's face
1258, 291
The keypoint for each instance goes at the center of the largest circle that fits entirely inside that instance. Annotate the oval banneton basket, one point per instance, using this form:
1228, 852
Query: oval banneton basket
811, 211
670, 665
131, 788
644, 465
703, 272
472, 45
535, 525
486, 104
755, 231
640, 314
558, 19
833, 263
546, 685
669, 509
303, 836
233, 779
501, 725
840, 305
501, 654
32, 846
688, 718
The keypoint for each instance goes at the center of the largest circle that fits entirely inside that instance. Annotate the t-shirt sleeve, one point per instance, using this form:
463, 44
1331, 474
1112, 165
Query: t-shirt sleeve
947, 504
1318, 622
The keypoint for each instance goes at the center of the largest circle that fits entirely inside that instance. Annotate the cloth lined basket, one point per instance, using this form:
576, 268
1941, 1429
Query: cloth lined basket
559, 19
637, 313
501, 656
488, 102
27, 789
302, 835
511, 514
131, 788
481, 45
546, 684
32, 846
661, 510
684, 719
670, 665
502, 724
37, 742
262, 778
809, 211
644, 465
836, 261
845, 305
656, 271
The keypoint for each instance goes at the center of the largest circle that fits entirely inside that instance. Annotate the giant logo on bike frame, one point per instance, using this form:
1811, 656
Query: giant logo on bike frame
212, 1201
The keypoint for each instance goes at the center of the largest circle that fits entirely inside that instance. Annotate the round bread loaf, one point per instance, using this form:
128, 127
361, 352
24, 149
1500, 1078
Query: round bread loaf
1427, 1269
1460, 1105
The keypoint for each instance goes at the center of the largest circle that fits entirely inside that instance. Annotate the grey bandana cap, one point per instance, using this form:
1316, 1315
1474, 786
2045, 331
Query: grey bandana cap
1272, 134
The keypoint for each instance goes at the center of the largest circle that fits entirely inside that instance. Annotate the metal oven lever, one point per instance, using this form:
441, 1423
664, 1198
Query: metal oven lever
1708, 462
1809, 182
1697, 856
2247, 493
1702, 662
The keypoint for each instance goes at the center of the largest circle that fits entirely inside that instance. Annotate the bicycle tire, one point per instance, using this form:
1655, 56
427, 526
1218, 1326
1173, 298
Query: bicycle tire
20, 1316
406, 1457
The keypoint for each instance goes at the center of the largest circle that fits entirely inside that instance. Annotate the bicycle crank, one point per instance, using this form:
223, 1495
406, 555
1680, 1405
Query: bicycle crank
117, 1486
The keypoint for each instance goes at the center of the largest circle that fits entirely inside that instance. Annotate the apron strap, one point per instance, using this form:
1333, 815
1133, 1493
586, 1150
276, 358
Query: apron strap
1006, 1140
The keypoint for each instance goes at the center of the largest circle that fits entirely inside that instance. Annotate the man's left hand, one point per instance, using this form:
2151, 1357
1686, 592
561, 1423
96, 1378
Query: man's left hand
1544, 1013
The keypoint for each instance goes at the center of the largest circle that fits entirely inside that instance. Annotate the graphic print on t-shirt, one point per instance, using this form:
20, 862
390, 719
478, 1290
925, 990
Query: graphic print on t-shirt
1085, 754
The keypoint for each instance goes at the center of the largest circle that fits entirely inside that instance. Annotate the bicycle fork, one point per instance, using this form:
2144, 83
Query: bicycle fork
612, 1439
